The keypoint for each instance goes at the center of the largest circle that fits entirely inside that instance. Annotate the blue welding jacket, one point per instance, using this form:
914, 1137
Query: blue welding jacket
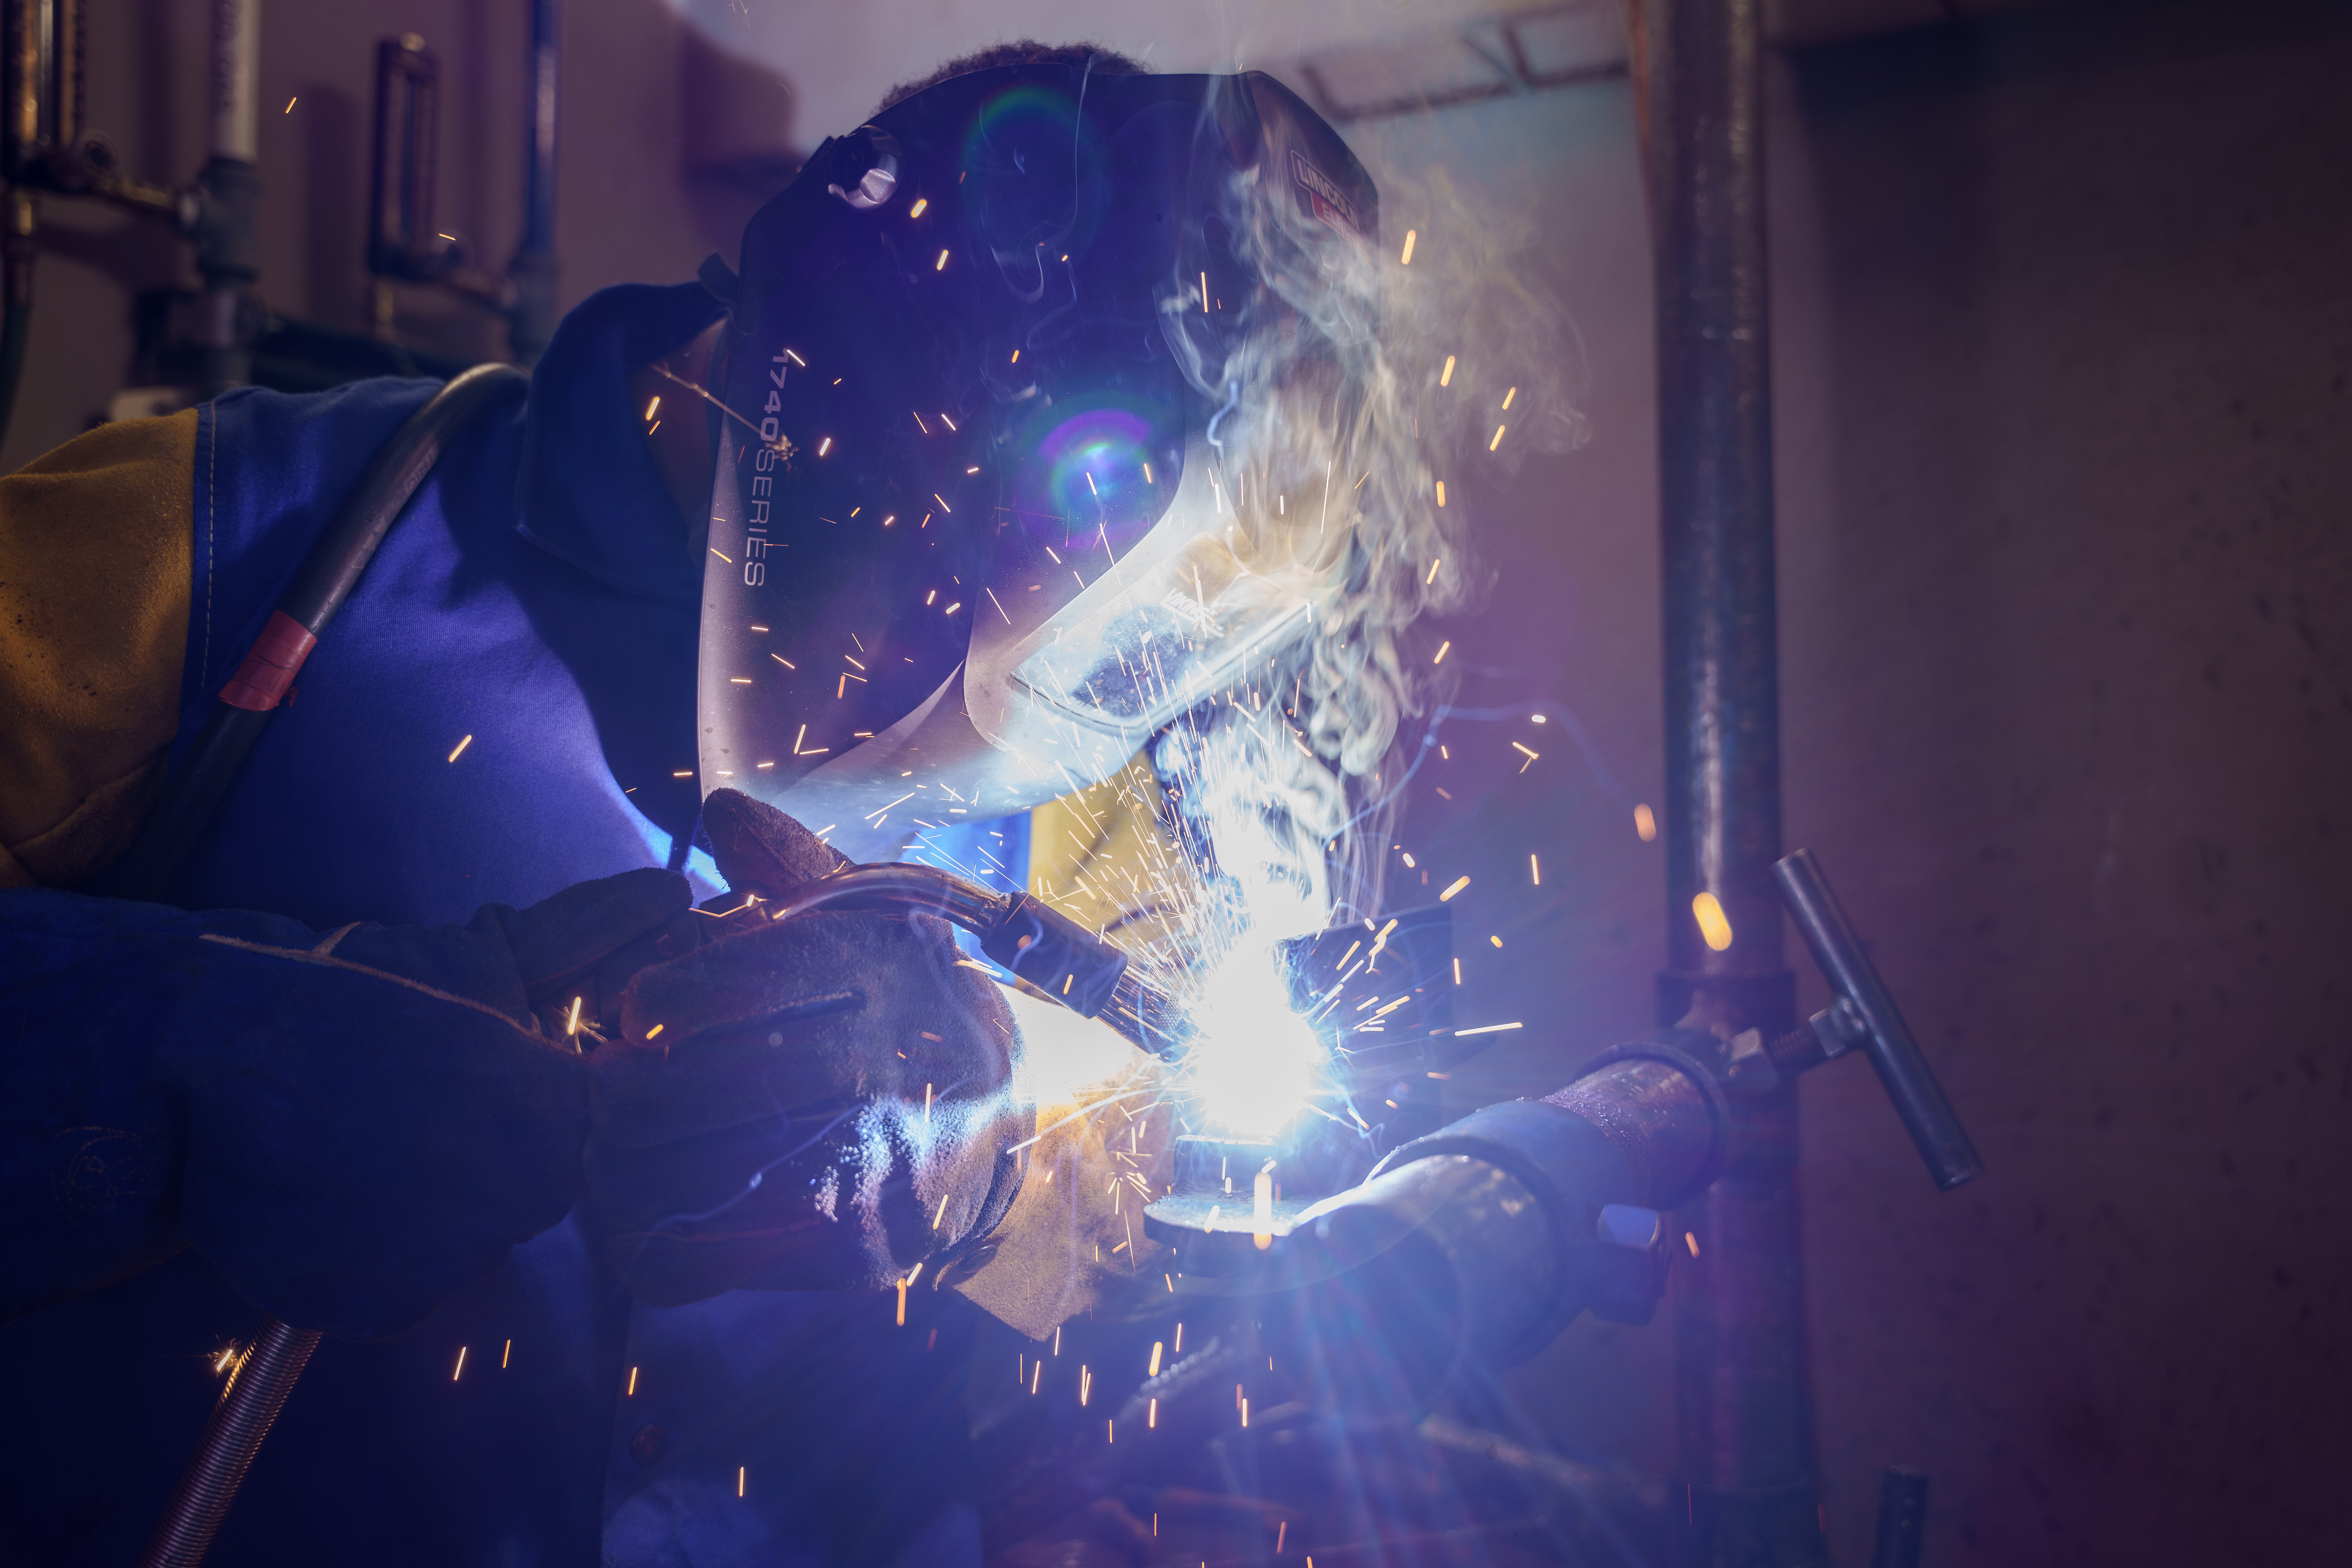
538, 596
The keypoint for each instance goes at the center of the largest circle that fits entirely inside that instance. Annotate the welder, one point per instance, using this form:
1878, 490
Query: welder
460, 1035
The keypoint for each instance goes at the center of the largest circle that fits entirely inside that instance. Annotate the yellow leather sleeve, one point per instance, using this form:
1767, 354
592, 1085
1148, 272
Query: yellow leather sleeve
1074, 1237
94, 554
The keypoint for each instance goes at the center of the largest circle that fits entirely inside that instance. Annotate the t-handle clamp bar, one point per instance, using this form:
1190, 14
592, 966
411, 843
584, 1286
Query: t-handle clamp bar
1864, 1015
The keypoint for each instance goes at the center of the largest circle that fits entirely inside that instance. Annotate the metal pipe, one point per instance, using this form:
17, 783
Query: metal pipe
257, 1391
1901, 1518
1744, 1412
1903, 1072
228, 247
531, 316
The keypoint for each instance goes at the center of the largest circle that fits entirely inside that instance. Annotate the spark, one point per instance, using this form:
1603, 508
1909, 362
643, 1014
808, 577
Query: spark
825, 445
1645, 824
1441, 495
1690, 1239
292, 102
1282, 1530
780, 659
941, 264
1532, 756
1457, 972
951, 609
740, 1470
1713, 923
935, 496
1434, 565
505, 1355
1157, 1346
997, 602
1453, 887
633, 1383
1410, 236
1147, 474
796, 359
1017, 357
1534, 870
917, 210
1445, 376
1262, 1212
654, 407
570, 1026
461, 1365
723, 555
1537, 717
656, 1029
1204, 293
1498, 438
1484, 1029
1496, 940
461, 747
1441, 651
738, 680
1509, 395
1151, 1420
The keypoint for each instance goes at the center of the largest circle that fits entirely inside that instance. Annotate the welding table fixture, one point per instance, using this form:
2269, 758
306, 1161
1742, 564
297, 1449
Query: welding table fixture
1526, 1214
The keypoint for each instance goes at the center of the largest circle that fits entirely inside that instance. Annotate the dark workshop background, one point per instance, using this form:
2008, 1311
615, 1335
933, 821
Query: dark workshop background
2062, 328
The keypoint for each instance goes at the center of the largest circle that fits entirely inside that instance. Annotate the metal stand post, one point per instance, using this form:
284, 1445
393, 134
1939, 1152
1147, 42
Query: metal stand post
1744, 1411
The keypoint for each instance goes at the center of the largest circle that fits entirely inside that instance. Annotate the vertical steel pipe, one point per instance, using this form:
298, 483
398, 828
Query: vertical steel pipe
531, 320
1743, 1406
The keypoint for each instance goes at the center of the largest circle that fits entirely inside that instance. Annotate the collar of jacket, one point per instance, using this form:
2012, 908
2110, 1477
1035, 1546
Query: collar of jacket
588, 491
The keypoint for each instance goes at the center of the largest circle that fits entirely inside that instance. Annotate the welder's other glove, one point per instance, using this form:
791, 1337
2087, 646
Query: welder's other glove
349, 1126
816, 1103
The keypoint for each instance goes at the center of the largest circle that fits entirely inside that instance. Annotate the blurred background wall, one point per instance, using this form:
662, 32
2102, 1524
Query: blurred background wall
2063, 334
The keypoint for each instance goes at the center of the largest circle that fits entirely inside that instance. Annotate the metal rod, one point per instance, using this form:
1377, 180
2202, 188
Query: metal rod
257, 1391
1744, 1415
1901, 1518
531, 316
1918, 1099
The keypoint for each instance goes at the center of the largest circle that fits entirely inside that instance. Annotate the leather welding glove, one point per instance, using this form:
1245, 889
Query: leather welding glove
348, 1126
815, 1103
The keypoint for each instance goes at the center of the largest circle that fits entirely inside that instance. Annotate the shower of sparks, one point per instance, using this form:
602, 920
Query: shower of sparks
461, 747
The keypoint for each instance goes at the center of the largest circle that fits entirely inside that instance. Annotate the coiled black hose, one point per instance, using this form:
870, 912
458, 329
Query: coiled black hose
257, 1391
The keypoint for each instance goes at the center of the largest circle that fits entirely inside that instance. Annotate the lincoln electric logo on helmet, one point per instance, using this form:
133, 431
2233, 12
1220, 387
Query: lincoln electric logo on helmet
1324, 197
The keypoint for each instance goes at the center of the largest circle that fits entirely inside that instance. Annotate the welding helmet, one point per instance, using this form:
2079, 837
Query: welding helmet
970, 542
